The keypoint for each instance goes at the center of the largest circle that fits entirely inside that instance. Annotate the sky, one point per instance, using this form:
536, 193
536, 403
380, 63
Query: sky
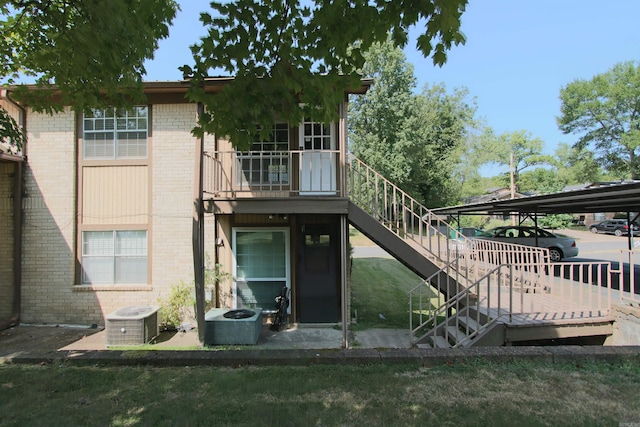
518, 55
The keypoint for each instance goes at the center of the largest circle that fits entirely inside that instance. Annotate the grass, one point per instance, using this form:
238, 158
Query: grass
523, 393
380, 293
458, 393
356, 238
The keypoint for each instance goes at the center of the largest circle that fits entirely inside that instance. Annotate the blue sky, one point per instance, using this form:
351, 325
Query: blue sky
518, 55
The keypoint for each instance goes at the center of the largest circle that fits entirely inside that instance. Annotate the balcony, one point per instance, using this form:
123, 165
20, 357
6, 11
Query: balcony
273, 174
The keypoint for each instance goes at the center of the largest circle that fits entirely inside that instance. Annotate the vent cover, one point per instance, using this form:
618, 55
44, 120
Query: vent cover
132, 325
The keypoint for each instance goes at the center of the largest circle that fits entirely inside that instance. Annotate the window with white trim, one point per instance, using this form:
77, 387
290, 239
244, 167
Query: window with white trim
316, 136
114, 257
115, 133
267, 163
261, 266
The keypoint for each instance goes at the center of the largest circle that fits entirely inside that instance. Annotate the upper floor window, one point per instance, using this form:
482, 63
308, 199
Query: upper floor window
115, 133
267, 163
278, 139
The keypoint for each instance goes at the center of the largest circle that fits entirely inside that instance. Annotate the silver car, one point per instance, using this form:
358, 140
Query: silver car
559, 246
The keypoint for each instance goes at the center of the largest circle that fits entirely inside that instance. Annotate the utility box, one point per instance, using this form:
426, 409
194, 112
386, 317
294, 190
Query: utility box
228, 326
132, 325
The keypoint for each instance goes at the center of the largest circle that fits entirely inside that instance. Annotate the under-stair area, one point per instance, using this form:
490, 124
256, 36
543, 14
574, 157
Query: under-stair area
479, 292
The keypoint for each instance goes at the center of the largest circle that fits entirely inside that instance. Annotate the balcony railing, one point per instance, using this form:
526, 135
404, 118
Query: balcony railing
231, 174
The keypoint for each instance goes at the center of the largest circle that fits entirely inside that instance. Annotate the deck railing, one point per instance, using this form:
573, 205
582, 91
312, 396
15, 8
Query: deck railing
559, 292
231, 174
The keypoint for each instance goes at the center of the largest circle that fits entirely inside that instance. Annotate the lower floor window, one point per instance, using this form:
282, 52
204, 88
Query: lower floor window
261, 266
110, 257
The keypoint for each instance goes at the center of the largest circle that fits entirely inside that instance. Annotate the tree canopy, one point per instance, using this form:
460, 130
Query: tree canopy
526, 151
412, 139
80, 53
605, 114
298, 58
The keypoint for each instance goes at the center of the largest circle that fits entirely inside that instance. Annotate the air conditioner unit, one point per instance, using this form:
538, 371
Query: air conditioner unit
132, 325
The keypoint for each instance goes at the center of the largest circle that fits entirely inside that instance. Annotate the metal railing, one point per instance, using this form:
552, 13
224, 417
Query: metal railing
402, 214
491, 280
233, 174
523, 292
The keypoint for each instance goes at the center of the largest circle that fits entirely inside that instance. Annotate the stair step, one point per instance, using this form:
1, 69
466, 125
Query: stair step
439, 342
455, 335
468, 322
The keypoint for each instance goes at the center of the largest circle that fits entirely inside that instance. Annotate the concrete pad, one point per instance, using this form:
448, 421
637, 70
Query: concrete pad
382, 338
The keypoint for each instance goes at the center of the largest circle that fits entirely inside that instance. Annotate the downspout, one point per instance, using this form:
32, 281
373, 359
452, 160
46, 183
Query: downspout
344, 228
17, 223
198, 235
215, 298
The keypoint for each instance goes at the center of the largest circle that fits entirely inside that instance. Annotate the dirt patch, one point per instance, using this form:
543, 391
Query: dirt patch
40, 338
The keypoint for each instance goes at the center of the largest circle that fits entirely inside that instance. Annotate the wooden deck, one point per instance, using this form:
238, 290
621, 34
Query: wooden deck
557, 310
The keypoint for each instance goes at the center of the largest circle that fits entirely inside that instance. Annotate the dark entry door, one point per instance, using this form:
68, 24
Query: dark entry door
318, 286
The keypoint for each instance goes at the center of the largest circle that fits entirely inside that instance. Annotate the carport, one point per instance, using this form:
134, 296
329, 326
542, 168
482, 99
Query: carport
623, 197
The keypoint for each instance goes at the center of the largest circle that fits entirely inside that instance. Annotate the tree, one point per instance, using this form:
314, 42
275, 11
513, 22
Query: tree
499, 149
80, 53
381, 128
577, 166
541, 181
446, 122
605, 113
466, 172
298, 59
412, 140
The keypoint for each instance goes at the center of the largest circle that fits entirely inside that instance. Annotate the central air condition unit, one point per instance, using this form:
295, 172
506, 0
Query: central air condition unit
132, 325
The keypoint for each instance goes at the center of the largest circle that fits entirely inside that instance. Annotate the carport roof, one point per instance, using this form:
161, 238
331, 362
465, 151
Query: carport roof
610, 198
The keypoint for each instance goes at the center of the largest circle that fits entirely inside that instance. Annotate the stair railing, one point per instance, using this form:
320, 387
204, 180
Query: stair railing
403, 215
476, 273
501, 268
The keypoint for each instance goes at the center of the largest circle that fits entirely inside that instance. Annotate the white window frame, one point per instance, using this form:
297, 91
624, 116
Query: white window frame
318, 165
114, 254
287, 257
273, 161
116, 122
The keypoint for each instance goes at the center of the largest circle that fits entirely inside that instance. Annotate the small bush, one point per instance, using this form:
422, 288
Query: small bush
178, 305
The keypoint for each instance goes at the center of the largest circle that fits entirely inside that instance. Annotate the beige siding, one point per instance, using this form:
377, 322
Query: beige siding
115, 195
11, 109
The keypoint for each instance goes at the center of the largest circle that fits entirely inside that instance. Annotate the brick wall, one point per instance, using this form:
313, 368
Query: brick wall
172, 195
7, 170
49, 292
49, 222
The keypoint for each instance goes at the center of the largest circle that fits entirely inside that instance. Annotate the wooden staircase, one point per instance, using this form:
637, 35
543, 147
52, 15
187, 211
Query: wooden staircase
481, 288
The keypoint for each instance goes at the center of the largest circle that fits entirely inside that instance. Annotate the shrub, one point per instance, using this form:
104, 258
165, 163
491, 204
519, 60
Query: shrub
178, 305
556, 221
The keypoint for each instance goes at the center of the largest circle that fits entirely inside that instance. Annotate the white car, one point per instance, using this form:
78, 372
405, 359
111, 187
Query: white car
559, 246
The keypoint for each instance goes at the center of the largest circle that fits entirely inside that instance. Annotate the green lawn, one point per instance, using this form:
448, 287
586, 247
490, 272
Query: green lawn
474, 393
356, 238
380, 293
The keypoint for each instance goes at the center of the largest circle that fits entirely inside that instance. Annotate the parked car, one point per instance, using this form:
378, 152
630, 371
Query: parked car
559, 246
614, 226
